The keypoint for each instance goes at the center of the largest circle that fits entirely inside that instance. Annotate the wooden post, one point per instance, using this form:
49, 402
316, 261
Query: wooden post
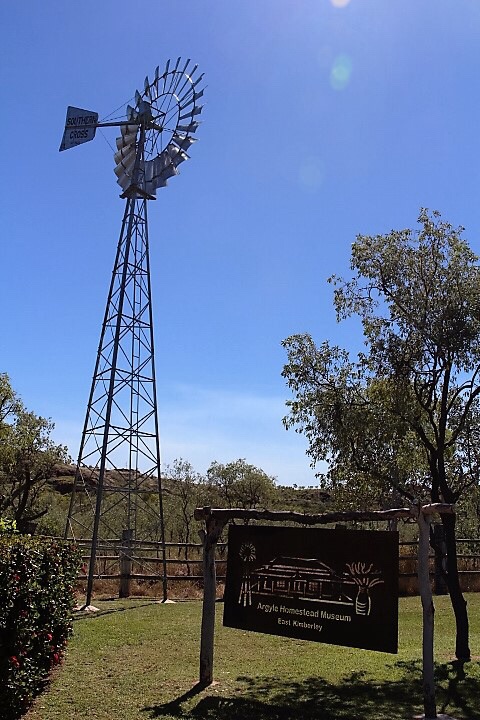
125, 561
428, 609
209, 539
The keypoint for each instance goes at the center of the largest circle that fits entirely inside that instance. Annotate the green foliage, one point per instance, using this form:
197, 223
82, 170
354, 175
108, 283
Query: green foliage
185, 490
36, 600
241, 485
27, 458
468, 516
7, 526
405, 413
311, 500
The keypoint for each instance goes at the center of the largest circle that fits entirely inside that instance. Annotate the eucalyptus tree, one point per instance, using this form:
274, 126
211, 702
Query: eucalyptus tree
240, 484
186, 490
404, 414
28, 456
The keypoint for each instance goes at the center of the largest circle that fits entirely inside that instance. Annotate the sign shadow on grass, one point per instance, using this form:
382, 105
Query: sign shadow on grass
358, 696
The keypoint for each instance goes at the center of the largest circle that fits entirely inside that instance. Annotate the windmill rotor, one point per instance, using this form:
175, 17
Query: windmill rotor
160, 130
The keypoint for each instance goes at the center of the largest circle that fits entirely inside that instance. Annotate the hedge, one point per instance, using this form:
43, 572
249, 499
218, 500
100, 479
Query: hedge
37, 578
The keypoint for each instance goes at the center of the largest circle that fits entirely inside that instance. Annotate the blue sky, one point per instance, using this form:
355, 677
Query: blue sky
322, 119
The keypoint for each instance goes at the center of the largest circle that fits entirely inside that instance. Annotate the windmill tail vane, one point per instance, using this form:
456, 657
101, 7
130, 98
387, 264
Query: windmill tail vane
80, 127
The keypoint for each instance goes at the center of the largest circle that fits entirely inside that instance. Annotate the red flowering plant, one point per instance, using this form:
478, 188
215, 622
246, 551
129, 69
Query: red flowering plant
37, 576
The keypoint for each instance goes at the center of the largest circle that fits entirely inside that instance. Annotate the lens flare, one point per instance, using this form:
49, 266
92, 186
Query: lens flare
340, 3
311, 173
341, 72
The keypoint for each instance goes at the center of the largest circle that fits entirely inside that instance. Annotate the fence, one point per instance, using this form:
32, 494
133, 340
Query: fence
142, 561
468, 555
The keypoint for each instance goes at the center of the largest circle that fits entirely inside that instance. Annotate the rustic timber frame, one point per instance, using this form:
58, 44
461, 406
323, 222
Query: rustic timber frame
215, 520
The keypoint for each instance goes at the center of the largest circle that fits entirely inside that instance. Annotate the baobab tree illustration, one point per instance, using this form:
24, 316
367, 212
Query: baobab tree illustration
365, 579
248, 555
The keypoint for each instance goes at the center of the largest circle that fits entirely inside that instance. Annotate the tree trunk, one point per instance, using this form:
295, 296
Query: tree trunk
459, 604
437, 541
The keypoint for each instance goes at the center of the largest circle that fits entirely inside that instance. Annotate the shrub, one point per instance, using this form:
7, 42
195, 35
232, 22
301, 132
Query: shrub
7, 526
37, 576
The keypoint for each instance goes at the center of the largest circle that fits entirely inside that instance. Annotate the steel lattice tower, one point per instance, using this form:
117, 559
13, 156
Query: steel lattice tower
117, 487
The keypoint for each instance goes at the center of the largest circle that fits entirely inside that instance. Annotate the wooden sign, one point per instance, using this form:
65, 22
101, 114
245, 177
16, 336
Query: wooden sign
332, 586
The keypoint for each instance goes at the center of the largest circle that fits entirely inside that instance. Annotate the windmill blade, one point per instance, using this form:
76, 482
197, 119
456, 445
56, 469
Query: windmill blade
148, 91
193, 92
187, 81
123, 169
177, 156
128, 139
193, 99
158, 171
183, 141
125, 140
154, 90
124, 153
181, 157
129, 128
165, 75
126, 161
188, 102
160, 163
129, 134
148, 171
168, 172
155, 84
124, 181
145, 111
185, 95
191, 128
154, 184
180, 75
183, 86
194, 111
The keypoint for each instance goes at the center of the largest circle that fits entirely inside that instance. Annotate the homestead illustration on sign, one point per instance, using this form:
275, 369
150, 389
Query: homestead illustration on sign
329, 586
308, 579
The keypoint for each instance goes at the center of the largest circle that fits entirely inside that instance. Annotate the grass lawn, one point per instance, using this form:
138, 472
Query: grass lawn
136, 661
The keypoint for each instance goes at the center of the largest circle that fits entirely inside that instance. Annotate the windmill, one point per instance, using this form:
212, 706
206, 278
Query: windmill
117, 484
